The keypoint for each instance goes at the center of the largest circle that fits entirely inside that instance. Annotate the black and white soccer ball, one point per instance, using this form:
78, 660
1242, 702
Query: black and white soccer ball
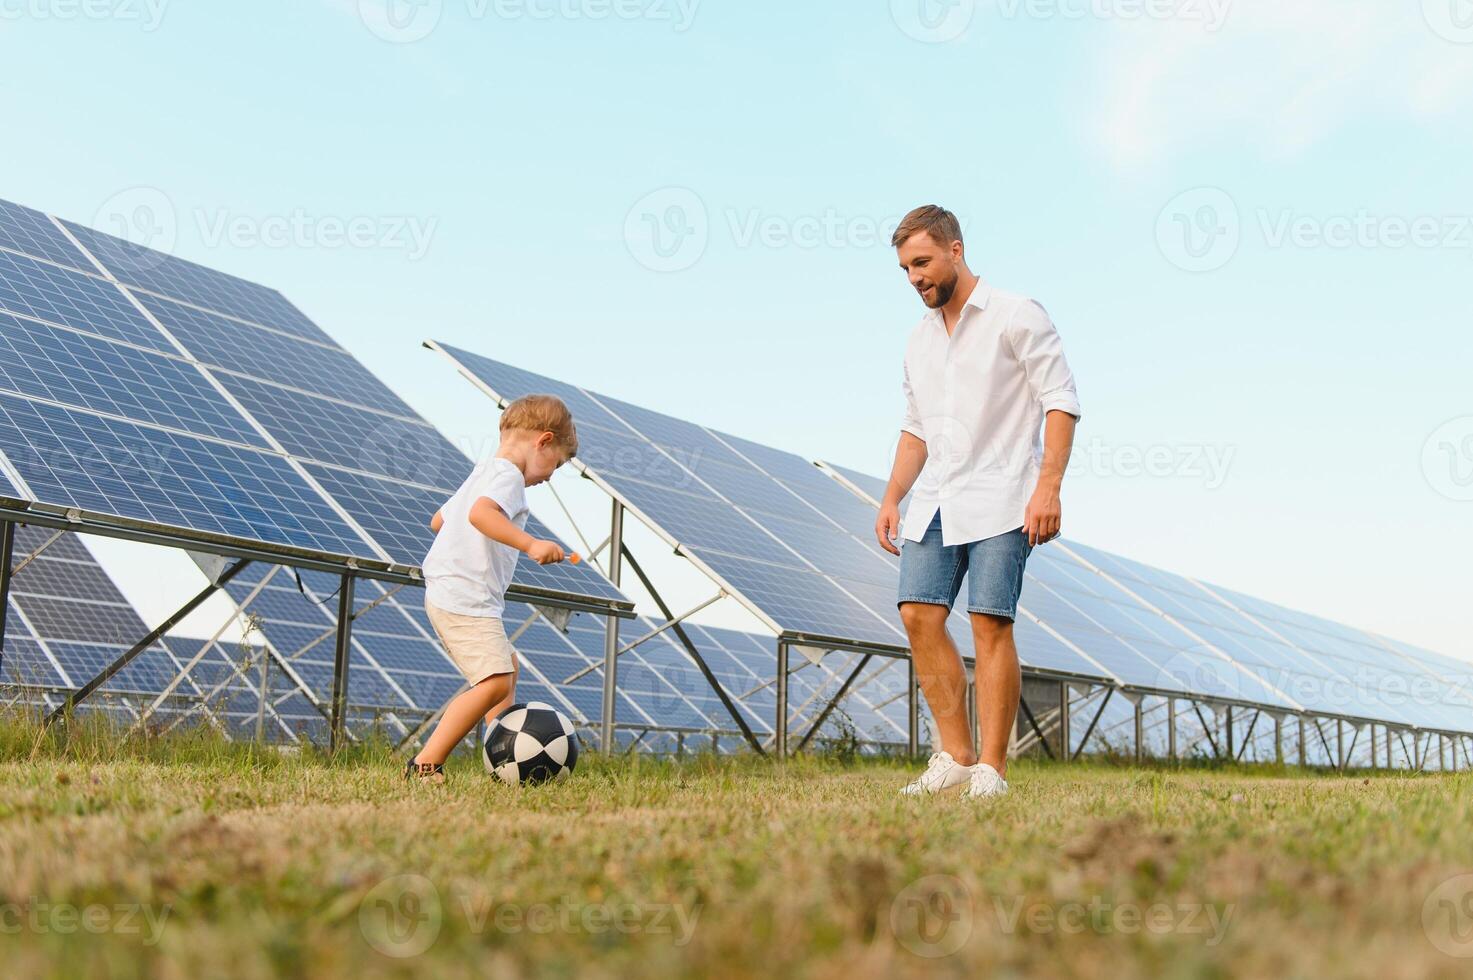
530, 743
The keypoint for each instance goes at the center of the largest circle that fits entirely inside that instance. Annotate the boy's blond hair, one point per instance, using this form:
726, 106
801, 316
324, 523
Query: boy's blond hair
543, 413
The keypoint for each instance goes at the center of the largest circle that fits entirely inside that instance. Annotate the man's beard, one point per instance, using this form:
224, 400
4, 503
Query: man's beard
944, 292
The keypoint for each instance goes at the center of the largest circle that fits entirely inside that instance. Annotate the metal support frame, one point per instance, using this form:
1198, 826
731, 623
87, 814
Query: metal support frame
1248, 737
1093, 722
1037, 729
7, 552
262, 695
611, 631
823, 716
127, 657
1171, 728
341, 659
780, 723
1278, 740
1339, 743
1140, 730
974, 723
1065, 748
1207, 730
1228, 735
912, 710
694, 652
1303, 746
671, 622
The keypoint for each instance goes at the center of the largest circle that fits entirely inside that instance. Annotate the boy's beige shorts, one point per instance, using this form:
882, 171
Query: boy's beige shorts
477, 645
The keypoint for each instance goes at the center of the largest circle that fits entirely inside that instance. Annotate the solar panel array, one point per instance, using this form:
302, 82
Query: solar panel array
800, 570
1156, 630
137, 385
400, 675
67, 621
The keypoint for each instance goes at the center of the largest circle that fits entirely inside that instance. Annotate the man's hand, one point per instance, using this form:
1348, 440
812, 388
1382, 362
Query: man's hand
545, 552
887, 527
1044, 516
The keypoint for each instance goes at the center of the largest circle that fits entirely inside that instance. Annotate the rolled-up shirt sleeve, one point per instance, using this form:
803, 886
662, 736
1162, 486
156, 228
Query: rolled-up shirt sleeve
1039, 350
912, 421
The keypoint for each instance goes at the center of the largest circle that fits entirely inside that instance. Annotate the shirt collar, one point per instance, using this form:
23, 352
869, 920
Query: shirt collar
981, 295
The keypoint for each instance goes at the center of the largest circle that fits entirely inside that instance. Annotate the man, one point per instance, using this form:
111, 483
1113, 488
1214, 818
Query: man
984, 370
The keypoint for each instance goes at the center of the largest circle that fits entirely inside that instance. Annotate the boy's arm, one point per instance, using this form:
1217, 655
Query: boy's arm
437, 522
490, 520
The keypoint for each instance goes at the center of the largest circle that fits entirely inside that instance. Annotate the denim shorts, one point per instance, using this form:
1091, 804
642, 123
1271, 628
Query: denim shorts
931, 572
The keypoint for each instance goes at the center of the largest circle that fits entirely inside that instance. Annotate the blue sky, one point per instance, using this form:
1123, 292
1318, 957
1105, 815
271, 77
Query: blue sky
1251, 225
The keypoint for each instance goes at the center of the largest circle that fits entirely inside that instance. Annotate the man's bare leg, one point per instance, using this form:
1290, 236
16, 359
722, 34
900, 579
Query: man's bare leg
941, 675
999, 682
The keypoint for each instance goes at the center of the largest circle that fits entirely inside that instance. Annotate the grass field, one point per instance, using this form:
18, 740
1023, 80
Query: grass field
190, 857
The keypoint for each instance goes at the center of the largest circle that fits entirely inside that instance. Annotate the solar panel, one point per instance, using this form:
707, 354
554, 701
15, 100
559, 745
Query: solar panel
1154, 630
33, 233
137, 385
721, 509
68, 621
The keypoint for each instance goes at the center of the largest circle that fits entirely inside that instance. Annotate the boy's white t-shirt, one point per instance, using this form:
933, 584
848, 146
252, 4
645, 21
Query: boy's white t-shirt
465, 571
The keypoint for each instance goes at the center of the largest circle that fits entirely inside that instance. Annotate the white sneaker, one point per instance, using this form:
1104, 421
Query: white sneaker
985, 782
943, 774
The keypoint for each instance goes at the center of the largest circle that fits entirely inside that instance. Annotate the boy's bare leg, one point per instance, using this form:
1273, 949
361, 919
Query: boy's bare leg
999, 682
942, 677
462, 714
499, 708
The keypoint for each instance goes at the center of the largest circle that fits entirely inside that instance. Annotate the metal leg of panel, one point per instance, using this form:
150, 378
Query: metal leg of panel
1279, 740
263, 695
912, 710
1171, 729
1140, 731
780, 722
341, 661
611, 633
1228, 735
7, 553
973, 722
1065, 744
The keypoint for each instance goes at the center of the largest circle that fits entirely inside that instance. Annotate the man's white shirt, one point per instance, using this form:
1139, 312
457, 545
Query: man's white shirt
977, 398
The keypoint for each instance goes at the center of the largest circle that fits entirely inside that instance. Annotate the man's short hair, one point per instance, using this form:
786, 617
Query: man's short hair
543, 413
932, 219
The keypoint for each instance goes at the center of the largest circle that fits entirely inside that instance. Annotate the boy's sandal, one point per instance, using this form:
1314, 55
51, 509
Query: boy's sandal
431, 771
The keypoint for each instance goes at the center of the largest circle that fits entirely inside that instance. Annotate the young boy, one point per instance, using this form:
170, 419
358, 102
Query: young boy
477, 536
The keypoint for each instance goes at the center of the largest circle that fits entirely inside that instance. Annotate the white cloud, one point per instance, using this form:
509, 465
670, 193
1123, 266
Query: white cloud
1279, 75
